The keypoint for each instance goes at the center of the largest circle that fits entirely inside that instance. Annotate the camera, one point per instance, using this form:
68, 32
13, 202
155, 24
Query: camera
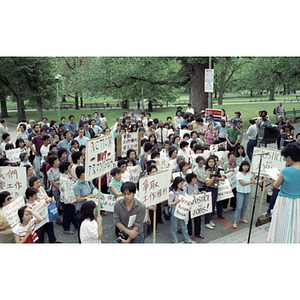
217, 172
123, 235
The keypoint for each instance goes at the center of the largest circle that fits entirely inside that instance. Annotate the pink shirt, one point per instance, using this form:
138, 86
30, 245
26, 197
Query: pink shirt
210, 136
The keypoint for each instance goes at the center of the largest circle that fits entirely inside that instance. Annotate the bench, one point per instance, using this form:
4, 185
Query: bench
294, 114
66, 106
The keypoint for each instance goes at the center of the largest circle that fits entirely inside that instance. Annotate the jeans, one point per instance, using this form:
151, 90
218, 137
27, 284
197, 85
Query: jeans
250, 145
281, 142
273, 200
37, 165
49, 228
214, 195
174, 224
139, 239
57, 202
242, 201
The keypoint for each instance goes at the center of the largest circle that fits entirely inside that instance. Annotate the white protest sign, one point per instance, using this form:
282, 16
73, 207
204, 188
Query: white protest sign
273, 173
206, 154
182, 132
176, 174
11, 210
13, 180
114, 164
202, 205
42, 209
172, 163
183, 207
231, 176
269, 161
135, 172
100, 152
108, 202
154, 189
129, 141
222, 155
214, 147
162, 163
224, 190
209, 81
13, 155
67, 188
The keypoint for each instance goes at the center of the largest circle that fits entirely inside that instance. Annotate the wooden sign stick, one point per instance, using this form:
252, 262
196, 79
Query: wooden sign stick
261, 199
154, 225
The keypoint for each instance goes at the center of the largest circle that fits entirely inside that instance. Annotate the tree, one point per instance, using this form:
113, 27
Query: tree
4, 93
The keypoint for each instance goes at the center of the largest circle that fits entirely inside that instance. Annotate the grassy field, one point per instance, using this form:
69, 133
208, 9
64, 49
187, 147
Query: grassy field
248, 110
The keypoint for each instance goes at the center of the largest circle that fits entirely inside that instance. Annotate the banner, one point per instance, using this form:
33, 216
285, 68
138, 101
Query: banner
67, 188
42, 209
13, 155
202, 205
154, 189
135, 172
215, 147
216, 112
11, 210
231, 176
126, 141
13, 180
224, 190
183, 207
100, 152
269, 161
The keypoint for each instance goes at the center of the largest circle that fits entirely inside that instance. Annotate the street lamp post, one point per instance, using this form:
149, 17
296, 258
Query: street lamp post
58, 105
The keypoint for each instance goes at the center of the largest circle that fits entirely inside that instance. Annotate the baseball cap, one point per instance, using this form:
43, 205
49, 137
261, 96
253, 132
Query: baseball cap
210, 115
234, 122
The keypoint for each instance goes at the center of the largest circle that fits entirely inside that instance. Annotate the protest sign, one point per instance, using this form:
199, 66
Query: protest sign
172, 163
135, 172
13, 155
13, 180
182, 132
162, 163
224, 190
126, 141
202, 205
222, 155
269, 161
108, 202
176, 174
193, 158
273, 173
11, 210
100, 152
114, 164
214, 147
154, 189
67, 188
42, 209
216, 112
231, 176
183, 207
206, 154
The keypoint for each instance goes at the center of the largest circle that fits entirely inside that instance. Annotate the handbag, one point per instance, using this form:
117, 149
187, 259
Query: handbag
52, 211
49, 191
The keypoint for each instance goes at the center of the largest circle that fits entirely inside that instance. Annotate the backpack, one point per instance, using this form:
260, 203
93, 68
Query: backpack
275, 111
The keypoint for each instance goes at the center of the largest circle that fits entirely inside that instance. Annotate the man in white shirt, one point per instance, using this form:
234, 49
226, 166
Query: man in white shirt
161, 134
45, 147
81, 139
97, 129
251, 133
3, 128
146, 120
190, 110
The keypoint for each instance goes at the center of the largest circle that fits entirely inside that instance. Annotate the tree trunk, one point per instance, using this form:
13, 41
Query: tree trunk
81, 101
38, 103
272, 93
21, 107
251, 93
63, 98
284, 89
216, 92
198, 98
76, 101
4, 113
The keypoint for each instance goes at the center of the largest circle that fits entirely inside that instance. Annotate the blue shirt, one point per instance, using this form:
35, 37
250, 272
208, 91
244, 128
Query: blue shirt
116, 185
65, 144
184, 122
87, 134
98, 122
82, 189
72, 127
289, 186
81, 141
215, 124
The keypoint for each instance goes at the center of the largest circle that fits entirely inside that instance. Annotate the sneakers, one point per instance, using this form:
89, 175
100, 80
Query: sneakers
212, 223
234, 225
68, 231
243, 221
209, 226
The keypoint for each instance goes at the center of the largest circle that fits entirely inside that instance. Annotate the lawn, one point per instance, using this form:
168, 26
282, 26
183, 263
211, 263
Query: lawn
248, 110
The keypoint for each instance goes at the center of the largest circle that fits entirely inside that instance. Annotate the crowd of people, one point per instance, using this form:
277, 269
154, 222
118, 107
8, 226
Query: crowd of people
53, 155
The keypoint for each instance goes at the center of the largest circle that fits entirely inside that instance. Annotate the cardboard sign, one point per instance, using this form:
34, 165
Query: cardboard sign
172, 163
154, 189
202, 205
126, 141
135, 172
13, 155
224, 190
68, 192
231, 176
162, 163
215, 147
183, 207
222, 155
11, 210
216, 112
42, 209
13, 180
108, 202
100, 153
269, 161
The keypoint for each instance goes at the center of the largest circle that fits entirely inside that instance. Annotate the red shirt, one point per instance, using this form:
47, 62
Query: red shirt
38, 142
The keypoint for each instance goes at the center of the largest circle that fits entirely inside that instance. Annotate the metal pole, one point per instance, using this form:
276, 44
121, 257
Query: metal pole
143, 109
58, 106
209, 94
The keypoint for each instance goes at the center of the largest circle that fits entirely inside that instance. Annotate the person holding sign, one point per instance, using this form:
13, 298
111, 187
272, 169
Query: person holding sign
24, 231
284, 226
6, 233
212, 178
129, 214
175, 191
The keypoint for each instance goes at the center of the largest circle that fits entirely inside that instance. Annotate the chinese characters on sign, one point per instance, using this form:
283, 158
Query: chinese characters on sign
13, 180
129, 141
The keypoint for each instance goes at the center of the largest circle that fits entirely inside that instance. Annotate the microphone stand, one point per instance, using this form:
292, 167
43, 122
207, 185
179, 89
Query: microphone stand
261, 154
